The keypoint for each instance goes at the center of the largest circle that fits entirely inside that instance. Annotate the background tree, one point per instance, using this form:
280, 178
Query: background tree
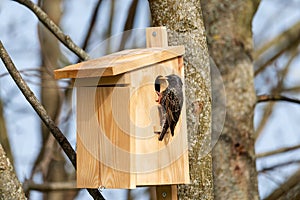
229, 35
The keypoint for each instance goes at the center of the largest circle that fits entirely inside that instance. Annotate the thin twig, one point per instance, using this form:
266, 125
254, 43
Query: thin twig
285, 189
45, 187
129, 23
263, 170
295, 89
65, 39
92, 24
277, 151
286, 40
24, 71
266, 98
275, 90
266, 113
40, 110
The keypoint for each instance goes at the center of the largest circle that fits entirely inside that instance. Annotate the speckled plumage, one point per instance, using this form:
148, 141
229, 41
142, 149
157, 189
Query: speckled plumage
171, 100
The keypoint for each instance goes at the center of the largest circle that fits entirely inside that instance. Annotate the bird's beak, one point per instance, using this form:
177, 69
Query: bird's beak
163, 78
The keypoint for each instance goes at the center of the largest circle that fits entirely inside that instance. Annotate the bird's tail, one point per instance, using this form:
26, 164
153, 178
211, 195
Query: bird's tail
164, 130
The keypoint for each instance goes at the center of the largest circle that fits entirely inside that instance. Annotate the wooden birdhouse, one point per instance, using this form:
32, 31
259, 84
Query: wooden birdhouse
120, 117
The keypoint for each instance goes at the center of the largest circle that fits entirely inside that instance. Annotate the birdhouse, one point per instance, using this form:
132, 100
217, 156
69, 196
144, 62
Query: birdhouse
125, 101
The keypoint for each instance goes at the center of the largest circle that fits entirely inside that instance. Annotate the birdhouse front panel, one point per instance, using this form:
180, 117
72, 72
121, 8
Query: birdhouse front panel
131, 119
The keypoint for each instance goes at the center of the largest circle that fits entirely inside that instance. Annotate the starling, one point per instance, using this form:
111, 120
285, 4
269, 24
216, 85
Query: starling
170, 97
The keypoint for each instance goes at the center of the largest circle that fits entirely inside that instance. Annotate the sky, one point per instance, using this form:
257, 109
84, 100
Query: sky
19, 35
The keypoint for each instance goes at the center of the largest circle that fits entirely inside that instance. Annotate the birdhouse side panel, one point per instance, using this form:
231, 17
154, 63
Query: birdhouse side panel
102, 133
116, 141
88, 167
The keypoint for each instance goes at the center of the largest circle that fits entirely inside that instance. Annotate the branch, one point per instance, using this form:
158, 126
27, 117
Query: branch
266, 98
65, 39
129, 23
286, 40
45, 187
288, 37
263, 170
40, 110
268, 110
281, 150
295, 89
92, 24
287, 190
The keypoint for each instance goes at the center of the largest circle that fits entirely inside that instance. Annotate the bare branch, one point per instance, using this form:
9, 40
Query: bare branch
287, 40
287, 190
266, 98
65, 39
263, 170
267, 111
295, 89
45, 187
40, 110
92, 24
277, 151
129, 23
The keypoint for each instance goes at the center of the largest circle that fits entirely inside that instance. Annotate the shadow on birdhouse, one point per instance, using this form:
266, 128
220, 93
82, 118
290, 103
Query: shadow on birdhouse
131, 118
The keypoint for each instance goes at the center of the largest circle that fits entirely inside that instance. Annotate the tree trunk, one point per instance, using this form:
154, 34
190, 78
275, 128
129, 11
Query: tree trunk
10, 187
183, 20
4, 140
228, 26
53, 168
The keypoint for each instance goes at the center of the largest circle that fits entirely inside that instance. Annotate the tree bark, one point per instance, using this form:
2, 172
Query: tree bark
228, 26
183, 20
10, 187
4, 140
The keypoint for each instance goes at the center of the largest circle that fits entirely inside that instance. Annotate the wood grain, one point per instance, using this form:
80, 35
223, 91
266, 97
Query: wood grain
116, 141
166, 192
119, 62
88, 169
157, 36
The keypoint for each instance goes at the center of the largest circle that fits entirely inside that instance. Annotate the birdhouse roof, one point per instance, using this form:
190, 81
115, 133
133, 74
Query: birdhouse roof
119, 62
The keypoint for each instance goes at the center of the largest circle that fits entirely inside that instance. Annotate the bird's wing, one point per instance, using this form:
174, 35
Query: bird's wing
172, 104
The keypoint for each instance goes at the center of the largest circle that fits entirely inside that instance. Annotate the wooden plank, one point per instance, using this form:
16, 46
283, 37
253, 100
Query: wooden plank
158, 162
103, 142
119, 62
115, 139
156, 37
88, 168
169, 158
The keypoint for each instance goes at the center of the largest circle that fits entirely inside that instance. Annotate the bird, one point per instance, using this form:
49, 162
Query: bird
170, 97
